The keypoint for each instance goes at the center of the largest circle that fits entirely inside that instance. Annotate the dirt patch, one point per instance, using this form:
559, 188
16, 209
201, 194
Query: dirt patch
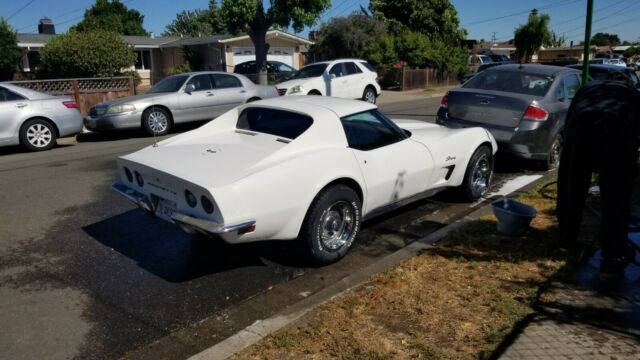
457, 300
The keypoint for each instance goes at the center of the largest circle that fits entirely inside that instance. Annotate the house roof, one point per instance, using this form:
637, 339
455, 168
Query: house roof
270, 34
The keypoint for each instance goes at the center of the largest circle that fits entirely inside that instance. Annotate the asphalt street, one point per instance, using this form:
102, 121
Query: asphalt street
85, 274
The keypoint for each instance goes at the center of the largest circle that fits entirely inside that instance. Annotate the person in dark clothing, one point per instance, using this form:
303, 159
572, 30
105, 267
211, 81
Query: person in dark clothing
602, 136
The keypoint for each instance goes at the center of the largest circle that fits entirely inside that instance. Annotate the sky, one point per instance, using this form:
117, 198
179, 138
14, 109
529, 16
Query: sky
486, 19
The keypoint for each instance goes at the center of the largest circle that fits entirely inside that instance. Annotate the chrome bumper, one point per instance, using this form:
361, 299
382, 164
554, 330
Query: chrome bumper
185, 221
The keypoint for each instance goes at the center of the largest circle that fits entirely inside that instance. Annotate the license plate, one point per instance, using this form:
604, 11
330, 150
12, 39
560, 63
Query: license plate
165, 209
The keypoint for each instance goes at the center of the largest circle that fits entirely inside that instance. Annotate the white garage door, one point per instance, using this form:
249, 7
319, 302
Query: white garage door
243, 54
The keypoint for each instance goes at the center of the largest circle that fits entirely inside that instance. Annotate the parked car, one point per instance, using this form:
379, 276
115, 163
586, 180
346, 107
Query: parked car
478, 70
617, 62
308, 167
177, 99
611, 72
344, 78
34, 119
523, 105
500, 58
480, 59
276, 71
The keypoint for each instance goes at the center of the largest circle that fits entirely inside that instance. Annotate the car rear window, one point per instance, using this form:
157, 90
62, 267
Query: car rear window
511, 81
368, 66
280, 123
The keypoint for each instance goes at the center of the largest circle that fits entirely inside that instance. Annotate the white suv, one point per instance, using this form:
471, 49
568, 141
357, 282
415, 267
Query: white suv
344, 78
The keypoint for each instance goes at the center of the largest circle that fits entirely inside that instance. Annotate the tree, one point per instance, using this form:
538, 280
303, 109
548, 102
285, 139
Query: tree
605, 39
111, 16
556, 40
251, 17
438, 19
197, 23
9, 49
90, 54
347, 37
530, 36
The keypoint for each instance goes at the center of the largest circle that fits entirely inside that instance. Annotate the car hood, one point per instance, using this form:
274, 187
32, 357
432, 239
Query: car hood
295, 82
133, 99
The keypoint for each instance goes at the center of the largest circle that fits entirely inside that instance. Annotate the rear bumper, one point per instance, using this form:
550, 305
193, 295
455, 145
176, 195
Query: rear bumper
188, 223
70, 123
529, 140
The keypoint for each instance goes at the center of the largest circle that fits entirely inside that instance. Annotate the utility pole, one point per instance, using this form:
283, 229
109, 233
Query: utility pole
493, 36
587, 43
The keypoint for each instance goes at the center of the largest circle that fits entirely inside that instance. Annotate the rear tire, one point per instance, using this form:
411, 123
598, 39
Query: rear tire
332, 223
369, 95
314, 92
477, 177
553, 157
156, 120
37, 135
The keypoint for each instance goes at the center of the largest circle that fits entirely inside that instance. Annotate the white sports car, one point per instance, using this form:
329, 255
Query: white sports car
309, 168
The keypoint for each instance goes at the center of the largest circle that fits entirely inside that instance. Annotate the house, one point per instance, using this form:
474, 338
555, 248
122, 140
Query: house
572, 54
157, 56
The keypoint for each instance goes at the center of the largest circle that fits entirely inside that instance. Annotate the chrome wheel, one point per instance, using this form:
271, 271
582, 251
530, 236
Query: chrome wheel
369, 96
39, 135
554, 153
337, 224
157, 121
481, 175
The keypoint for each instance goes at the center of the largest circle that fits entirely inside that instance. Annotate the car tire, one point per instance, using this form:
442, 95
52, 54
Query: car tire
314, 92
369, 95
477, 177
332, 223
253, 99
156, 121
37, 135
553, 156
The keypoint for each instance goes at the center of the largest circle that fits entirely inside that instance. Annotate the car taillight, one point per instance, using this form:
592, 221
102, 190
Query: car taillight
535, 113
70, 104
444, 103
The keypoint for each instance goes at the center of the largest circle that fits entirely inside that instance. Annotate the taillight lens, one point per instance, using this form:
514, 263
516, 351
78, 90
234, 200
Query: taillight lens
70, 104
139, 179
191, 199
535, 113
207, 205
444, 103
127, 172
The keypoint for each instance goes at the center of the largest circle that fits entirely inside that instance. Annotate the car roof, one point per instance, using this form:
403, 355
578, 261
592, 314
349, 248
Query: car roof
600, 66
335, 60
204, 72
534, 69
341, 107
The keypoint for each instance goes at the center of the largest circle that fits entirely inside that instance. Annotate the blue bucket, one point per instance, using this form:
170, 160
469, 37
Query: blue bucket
513, 217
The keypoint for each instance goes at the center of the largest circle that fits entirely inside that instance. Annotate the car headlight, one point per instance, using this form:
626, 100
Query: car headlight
296, 89
120, 108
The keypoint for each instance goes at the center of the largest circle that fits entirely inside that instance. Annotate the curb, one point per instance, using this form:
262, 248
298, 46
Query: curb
262, 328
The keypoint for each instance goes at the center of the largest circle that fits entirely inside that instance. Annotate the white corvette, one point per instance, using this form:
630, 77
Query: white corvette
309, 168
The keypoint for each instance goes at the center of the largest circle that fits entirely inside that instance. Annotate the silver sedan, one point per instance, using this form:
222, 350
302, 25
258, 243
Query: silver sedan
177, 99
34, 119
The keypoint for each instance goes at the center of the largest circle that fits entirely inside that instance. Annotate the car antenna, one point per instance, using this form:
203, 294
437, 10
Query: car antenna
153, 109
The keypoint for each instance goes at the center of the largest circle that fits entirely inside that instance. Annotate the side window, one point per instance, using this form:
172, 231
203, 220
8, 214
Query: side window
560, 95
281, 123
368, 66
201, 82
571, 86
337, 70
370, 130
226, 81
352, 68
7, 95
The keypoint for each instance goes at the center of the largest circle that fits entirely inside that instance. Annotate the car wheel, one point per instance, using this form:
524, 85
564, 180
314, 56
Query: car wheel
37, 135
253, 99
331, 224
477, 177
369, 95
553, 157
314, 92
156, 121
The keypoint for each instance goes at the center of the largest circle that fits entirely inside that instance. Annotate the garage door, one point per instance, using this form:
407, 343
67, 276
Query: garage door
243, 54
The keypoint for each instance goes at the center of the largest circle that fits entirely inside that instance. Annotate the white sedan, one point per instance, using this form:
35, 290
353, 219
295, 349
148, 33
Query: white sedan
308, 168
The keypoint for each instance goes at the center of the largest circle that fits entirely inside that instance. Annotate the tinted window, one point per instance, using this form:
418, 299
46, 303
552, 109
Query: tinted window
337, 70
560, 95
352, 68
275, 122
280, 67
571, 86
634, 77
370, 130
310, 71
511, 81
368, 66
169, 84
245, 68
226, 81
201, 82
598, 74
7, 95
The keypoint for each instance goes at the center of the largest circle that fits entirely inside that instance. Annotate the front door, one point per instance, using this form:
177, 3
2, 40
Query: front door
338, 81
13, 108
199, 103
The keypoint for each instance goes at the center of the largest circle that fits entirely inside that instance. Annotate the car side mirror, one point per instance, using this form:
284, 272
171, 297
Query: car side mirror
189, 88
332, 76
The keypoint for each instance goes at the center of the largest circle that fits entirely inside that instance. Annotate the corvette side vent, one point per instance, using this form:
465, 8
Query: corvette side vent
283, 140
246, 132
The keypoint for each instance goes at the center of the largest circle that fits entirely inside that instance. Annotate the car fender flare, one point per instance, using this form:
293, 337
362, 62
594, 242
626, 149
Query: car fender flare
163, 107
38, 117
459, 172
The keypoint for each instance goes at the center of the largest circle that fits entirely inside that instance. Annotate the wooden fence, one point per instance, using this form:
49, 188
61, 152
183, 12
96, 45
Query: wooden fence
422, 78
86, 92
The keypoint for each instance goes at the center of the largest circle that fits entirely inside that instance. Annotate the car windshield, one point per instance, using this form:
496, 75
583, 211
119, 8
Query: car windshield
170, 84
310, 71
511, 81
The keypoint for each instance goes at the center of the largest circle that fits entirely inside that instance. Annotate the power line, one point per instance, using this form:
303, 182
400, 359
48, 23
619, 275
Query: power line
335, 8
19, 10
549, 6
603, 18
582, 16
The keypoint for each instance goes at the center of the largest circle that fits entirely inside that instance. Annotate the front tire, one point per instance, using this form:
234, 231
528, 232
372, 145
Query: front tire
369, 95
37, 135
156, 121
477, 177
553, 157
331, 224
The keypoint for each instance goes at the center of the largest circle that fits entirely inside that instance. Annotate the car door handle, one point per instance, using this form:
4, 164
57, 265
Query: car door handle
21, 105
209, 93
485, 102
243, 91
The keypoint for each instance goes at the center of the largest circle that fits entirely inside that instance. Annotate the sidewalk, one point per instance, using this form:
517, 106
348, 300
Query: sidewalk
388, 97
595, 316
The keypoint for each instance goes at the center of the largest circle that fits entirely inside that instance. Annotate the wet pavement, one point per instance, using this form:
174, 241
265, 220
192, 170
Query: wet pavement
85, 274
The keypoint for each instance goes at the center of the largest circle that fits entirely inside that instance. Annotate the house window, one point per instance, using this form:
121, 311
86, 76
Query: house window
143, 61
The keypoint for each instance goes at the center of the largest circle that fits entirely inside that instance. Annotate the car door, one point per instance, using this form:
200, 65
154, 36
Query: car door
570, 86
14, 108
338, 86
199, 103
393, 166
229, 91
356, 80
